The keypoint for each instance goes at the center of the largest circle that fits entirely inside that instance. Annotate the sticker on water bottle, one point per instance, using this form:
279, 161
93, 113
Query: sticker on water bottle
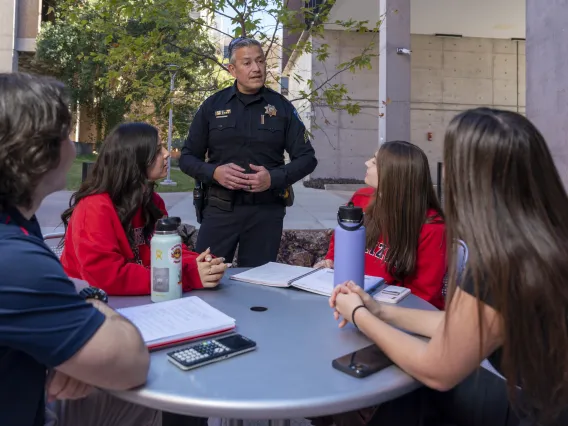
161, 280
175, 253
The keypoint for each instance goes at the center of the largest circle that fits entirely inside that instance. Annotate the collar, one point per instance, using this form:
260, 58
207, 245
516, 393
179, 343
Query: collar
233, 91
12, 216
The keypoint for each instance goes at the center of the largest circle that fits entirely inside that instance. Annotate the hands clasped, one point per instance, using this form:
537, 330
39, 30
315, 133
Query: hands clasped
346, 297
233, 177
210, 270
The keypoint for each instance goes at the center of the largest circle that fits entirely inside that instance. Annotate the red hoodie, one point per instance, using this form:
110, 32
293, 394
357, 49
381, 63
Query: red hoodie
427, 280
97, 250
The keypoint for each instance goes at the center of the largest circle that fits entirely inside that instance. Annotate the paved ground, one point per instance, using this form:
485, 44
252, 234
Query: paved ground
312, 209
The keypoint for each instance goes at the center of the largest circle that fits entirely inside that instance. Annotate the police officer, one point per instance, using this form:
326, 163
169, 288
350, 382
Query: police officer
244, 130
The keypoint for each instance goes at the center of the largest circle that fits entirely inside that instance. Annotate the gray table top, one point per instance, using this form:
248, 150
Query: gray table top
289, 375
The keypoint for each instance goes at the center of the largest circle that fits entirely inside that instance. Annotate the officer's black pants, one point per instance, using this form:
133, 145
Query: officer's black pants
257, 229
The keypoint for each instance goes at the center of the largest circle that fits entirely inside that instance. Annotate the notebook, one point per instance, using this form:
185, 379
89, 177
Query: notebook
177, 321
318, 281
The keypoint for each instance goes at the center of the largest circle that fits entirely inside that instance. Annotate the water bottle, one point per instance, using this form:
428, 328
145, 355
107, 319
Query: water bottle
349, 249
166, 261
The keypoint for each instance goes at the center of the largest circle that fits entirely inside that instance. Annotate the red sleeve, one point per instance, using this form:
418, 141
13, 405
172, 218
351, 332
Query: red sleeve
101, 262
189, 275
159, 202
427, 280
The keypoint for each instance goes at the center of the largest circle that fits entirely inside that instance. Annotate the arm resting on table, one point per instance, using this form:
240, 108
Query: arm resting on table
454, 350
114, 358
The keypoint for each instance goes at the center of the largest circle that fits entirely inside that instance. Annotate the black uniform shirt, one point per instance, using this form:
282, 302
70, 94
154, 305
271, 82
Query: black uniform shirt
231, 127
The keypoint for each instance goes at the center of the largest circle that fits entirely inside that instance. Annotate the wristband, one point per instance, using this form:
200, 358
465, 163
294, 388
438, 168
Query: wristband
353, 315
94, 293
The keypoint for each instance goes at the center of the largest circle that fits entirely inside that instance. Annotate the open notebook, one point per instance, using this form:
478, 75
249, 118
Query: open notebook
319, 281
177, 321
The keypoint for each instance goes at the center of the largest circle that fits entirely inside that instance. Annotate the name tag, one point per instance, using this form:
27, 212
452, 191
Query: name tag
222, 113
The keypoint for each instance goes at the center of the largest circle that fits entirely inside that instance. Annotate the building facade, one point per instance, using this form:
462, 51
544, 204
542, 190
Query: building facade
20, 21
459, 59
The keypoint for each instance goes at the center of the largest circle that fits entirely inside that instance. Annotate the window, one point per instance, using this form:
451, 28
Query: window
284, 83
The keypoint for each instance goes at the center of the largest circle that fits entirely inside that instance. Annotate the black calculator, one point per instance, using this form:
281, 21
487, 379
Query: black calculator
211, 350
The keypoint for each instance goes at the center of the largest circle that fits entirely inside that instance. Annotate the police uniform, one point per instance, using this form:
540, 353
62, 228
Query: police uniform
232, 127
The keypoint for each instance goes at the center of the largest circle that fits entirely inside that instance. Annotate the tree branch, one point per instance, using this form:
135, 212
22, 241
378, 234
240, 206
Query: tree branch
341, 70
274, 33
202, 55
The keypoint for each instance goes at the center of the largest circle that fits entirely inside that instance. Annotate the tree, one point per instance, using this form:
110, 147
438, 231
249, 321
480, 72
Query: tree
311, 20
115, 53
117, 58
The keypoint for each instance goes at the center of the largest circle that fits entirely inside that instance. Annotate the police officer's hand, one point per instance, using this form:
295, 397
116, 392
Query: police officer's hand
259, 181
231, 176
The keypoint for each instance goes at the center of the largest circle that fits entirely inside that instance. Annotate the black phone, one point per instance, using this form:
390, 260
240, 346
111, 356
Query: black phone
362, 363
210, 350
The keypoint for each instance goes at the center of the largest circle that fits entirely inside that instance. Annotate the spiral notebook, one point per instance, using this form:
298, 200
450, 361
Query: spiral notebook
177, 321
314, 280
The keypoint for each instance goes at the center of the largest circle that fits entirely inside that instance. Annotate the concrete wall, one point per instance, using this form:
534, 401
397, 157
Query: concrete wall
448, 76
547, 72
342, 142
8, 57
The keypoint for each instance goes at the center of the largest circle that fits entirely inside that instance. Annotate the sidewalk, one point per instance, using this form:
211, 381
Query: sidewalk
312, 209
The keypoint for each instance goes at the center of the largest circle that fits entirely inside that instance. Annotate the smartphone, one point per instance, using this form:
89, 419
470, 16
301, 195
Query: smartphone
210, 350
362, 363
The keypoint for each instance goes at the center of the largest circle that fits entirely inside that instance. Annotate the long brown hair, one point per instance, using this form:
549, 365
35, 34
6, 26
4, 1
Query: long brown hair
121, 172
398, 210
505, 200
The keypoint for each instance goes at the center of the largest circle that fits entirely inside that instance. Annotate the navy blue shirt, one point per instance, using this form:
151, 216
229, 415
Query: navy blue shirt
43, 321
231, 127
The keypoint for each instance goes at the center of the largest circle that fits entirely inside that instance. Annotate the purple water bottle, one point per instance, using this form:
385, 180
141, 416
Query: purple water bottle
349, 250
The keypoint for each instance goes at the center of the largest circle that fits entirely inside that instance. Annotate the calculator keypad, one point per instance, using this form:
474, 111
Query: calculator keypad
200, 352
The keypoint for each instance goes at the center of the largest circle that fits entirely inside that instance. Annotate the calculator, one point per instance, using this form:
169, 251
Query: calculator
210, 350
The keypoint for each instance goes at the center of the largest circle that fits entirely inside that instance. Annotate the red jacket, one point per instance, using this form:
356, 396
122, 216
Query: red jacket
427, 280
97, 250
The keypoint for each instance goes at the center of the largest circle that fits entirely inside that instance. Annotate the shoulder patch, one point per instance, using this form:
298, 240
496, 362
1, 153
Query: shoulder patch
297, 115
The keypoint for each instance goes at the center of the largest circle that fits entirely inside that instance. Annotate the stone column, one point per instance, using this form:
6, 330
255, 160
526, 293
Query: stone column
394, 71
547, 75
8, 54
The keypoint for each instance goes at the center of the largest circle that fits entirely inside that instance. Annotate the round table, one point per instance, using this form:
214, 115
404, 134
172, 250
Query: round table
289, 375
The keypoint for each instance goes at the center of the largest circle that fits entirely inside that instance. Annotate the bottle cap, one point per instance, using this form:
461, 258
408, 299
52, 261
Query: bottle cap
168, 224
350, 213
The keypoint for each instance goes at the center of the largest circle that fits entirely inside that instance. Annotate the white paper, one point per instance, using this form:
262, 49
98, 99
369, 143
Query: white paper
186, 317
272, 274
321, 282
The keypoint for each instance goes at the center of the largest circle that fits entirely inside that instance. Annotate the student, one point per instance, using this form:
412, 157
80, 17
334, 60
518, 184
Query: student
406, 242
505, 200
52, 341
112, 217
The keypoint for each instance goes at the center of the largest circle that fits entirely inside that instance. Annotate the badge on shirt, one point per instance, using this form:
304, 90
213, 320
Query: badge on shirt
222, 113
270, 110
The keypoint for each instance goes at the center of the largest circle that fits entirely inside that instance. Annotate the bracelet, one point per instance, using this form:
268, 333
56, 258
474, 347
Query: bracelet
353, 315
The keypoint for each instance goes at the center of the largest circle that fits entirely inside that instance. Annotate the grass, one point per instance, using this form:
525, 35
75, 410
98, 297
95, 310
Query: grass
184, 182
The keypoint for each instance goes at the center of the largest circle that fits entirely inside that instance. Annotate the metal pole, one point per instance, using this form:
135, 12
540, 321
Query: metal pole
168, 181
